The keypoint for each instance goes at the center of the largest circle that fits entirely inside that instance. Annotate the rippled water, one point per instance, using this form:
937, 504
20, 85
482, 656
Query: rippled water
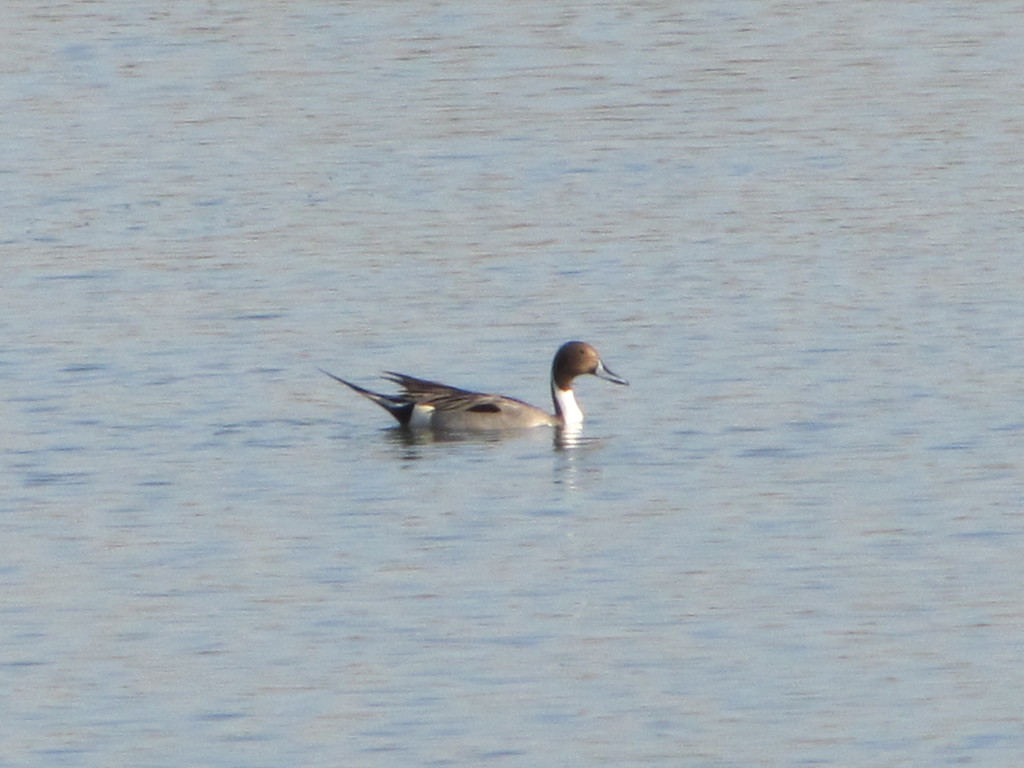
794, 540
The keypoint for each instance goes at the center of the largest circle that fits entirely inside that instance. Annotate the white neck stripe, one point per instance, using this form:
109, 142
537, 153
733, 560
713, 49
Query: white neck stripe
567, 407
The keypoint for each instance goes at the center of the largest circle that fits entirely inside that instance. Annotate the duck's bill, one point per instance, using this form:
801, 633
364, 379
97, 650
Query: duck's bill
603, 373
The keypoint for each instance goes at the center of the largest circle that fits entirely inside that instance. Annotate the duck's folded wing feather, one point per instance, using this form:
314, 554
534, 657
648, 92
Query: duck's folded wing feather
446, 398
424, 388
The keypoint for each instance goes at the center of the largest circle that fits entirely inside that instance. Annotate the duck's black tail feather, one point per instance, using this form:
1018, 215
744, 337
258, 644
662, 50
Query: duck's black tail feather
396, 405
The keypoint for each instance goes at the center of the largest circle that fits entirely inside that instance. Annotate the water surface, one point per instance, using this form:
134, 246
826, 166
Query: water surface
794, 540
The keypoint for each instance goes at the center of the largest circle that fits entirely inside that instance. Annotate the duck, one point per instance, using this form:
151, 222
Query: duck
425, 404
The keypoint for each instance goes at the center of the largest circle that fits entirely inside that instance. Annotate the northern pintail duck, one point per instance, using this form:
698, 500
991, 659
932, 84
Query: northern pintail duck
426, 404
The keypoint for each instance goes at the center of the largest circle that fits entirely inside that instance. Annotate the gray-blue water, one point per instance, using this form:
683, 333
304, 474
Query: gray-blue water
795, 540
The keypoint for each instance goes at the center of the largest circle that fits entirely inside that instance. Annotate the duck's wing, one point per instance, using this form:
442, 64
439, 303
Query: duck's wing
424, 391
443, 397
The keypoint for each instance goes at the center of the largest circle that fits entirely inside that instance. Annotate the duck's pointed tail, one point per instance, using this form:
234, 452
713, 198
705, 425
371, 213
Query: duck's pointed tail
397, 406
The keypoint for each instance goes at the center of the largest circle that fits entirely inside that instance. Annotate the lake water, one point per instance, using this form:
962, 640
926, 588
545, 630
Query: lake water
795, 540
